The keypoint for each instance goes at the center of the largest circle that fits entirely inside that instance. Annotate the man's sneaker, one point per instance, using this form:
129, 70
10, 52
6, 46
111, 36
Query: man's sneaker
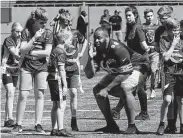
17, 129
153, 94
64, 133
53, 132
115, 114
142, 116
39, 128
170, 130
132, 129
161, 130
109, 129
9, 123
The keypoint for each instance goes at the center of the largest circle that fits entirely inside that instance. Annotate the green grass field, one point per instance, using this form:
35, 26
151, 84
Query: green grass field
89, 116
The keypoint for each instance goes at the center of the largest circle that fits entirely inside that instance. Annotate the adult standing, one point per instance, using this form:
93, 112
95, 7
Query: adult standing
35, 47
135, 38
104, 21
116, 22
82, 23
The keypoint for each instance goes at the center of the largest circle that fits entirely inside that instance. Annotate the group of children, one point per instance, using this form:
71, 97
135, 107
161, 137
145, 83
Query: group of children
39, 56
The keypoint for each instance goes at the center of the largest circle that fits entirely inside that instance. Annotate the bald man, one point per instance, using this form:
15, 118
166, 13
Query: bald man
122, 79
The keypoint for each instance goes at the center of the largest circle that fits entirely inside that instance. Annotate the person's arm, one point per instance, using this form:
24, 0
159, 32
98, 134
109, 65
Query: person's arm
62, 74
167, 54
142, 40
27, 46
42, 53
84, 45
14, 52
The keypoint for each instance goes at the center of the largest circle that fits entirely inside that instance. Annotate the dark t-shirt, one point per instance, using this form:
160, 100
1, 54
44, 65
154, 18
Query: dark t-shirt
104, 21
119, 59
117, 20
70, 53
135, 36
40, 64
172, 66
150, 35
7, 58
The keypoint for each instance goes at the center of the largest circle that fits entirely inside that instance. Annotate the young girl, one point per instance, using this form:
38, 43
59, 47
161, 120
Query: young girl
171, 48
35, 47
10, 66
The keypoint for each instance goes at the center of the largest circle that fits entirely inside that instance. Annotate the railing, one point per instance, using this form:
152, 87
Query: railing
57, 3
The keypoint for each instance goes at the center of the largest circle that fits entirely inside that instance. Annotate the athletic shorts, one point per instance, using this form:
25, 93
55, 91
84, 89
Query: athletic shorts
8, 78
54, 90
73, 81
27, 79
173, 85
106, 80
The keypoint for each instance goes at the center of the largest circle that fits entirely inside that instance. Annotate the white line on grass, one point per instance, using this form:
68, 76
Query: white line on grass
50, 111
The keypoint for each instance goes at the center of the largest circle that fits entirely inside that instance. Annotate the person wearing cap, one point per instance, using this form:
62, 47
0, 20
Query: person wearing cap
171, 47
82, 23
164, 13
35, 48
116, 22
104, 21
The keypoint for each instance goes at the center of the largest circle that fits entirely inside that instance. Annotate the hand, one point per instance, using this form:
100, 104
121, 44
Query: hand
80, 55
176, 39
103, 93
38, 33
91, 54
148, 49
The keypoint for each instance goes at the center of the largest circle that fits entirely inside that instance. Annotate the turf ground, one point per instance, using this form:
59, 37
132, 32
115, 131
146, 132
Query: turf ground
89, 116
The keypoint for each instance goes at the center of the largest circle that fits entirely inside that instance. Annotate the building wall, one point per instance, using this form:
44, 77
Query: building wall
21, 14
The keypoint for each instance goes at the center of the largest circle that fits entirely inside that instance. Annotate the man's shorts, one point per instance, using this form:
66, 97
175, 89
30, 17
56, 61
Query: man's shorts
54, 90
73, 81
27, 79
134, 82
8, 78
173, 85
154, 60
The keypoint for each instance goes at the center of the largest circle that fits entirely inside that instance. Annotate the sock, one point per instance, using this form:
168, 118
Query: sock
73, 121
171, 123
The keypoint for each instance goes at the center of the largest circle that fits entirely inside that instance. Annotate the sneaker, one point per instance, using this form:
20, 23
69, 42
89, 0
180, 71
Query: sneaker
64, 133
153, 94
17, 129
75, 128
170, 130
109, 129
9, 123
132, 129
142, 116
53, 132
39, 128
161, 130
115, 114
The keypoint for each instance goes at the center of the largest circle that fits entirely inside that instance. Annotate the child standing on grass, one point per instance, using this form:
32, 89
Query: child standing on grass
10, 69
58, 86
171, 48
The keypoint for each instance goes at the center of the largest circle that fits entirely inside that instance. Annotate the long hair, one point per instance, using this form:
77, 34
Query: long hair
131, 28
